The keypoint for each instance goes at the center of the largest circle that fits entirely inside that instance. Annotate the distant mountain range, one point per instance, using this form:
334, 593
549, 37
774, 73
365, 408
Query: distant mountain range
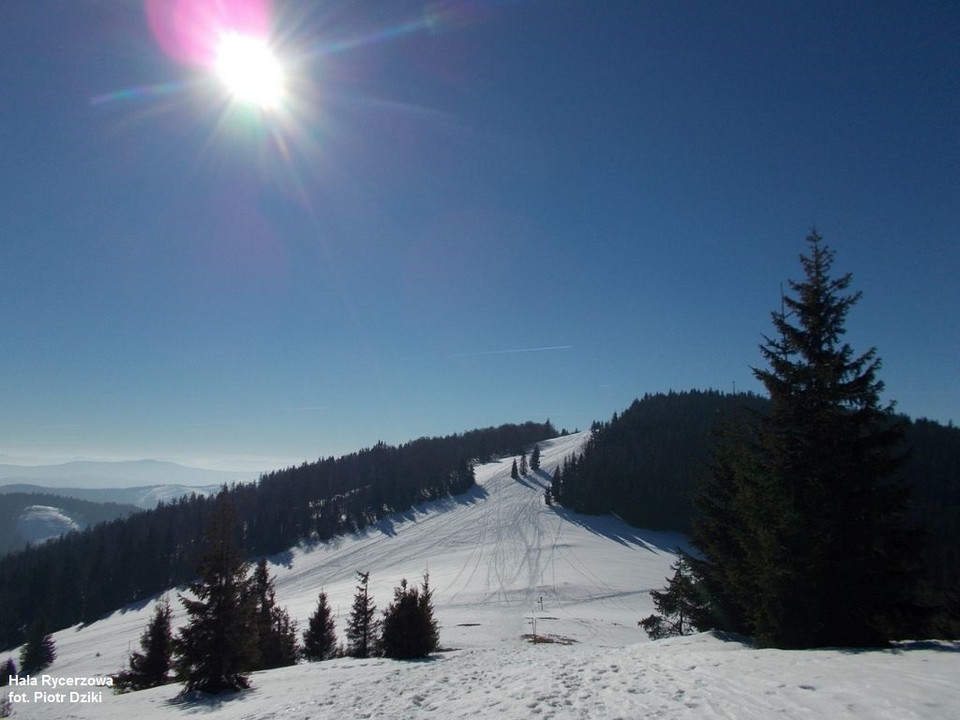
45, 501
124, 474
144, 497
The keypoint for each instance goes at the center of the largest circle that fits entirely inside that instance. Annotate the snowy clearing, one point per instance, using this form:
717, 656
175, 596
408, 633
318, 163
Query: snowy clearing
502, 565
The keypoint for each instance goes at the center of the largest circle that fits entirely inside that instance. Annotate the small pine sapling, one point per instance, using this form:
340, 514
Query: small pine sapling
682, 608
150, 667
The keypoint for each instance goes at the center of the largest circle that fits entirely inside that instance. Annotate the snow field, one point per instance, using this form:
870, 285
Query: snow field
500, 560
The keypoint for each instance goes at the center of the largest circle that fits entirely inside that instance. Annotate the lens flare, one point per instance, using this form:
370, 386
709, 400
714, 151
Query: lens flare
190, 30
249, 69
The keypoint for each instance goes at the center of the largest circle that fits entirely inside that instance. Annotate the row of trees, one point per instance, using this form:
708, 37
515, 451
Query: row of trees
235, 627
800, 521
83, 576
525, 468
407, 630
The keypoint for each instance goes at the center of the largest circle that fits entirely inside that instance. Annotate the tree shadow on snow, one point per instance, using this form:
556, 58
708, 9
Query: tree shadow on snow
905, 646
197, 701
536, 479
388, 524
284, 558
613, 528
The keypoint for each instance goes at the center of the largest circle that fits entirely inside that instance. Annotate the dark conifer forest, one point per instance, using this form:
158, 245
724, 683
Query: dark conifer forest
83, 576
643, 465
640, 465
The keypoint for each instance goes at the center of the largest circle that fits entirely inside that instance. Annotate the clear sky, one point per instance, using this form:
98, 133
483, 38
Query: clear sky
459, 213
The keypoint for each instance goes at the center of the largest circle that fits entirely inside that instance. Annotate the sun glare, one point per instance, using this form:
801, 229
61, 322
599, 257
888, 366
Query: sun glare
250, 71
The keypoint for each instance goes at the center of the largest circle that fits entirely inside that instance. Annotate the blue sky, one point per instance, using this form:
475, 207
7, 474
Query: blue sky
463, 214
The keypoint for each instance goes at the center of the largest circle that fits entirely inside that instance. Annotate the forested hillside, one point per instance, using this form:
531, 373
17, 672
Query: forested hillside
85, 575
642, 465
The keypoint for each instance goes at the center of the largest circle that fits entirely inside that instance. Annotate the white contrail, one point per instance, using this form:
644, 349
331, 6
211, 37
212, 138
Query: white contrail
511, 352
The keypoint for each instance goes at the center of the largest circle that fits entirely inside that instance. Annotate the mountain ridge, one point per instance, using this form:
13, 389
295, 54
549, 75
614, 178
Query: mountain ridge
118, 474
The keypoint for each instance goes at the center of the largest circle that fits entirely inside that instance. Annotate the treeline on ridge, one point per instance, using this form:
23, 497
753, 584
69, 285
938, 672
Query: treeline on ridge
643, 463
83, 576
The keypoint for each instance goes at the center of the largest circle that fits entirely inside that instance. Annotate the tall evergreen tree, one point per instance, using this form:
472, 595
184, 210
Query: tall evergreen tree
362, 626
514, 473
219, 643
801, 522
276, 632
150, 667
535, 458
39, 651
320, 639
524, 468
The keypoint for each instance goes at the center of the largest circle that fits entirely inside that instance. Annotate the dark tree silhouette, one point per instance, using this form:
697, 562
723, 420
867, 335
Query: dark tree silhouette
320, 639
802, 521
276, 632
682, 608
7, 670
150, 667
409, 629
362, 626
39, 652
219, 643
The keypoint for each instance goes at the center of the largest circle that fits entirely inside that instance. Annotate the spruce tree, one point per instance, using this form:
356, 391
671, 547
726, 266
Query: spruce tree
801, 522
681, 607
150, 667
409, 629
39, 651
276, 632
555, 491
219, 643
514, 473
524, 468
535, 458
320, 639
431, 629
362, 625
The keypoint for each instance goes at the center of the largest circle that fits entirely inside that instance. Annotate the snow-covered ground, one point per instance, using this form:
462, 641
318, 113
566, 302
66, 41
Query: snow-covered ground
500, 562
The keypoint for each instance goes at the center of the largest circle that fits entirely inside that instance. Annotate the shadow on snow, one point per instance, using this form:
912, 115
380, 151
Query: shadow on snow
613, 528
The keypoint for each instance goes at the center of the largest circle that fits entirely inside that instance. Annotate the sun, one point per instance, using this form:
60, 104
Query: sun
250, 70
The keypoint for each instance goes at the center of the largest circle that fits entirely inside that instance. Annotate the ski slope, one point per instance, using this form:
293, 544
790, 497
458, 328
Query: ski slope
503, 564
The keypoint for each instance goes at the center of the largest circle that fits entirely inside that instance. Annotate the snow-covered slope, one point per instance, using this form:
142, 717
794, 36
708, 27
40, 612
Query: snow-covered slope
500, 560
